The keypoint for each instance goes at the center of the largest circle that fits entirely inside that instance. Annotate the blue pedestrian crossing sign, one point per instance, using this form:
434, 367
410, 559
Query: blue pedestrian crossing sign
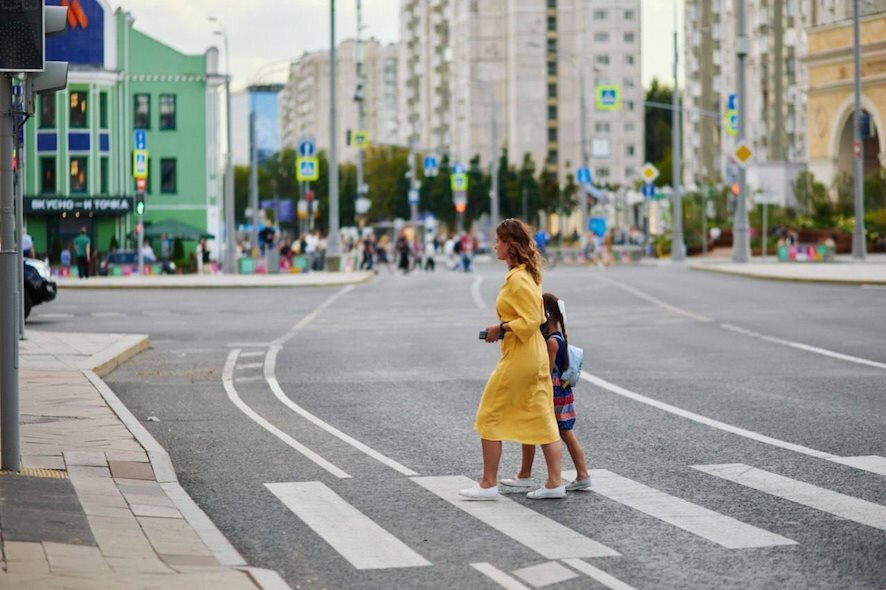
459, 181
608, 97
731, 122
361, 139
306, 148
141, 139
307, 169
430, 165
648, 190
583, 175
140, 164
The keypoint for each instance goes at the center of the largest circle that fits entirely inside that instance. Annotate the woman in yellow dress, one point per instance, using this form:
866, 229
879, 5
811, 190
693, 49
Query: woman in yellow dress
516, 403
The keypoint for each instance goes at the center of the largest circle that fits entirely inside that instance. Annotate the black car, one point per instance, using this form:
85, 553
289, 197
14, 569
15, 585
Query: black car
39, 286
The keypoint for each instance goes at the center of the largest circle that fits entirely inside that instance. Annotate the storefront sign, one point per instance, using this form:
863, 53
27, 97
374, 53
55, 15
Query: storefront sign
99, 205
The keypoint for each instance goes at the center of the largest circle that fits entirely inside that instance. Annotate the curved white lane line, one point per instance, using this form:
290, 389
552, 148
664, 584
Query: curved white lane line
227, 379
475, 293
310, 317
655, 300
270, 368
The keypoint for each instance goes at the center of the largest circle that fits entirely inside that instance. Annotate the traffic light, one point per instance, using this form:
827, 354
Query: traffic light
21, 28
54, 76
140, 203
736, 189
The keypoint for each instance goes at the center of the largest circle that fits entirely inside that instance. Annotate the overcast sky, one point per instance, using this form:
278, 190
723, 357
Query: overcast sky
262, 32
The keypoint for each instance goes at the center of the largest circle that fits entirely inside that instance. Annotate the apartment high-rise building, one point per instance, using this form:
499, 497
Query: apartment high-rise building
304, 102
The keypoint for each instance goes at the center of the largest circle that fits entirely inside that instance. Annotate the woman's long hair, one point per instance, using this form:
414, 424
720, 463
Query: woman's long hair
521, 246
553, 311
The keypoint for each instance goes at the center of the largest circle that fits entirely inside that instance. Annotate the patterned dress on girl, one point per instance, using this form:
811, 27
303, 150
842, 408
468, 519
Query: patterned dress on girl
564, 400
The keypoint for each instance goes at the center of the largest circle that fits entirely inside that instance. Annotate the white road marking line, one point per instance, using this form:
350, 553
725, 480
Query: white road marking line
310, 317
806, 347
875, 287
806, 494
251, 354
248, 379
227, 379
546, 537
607, 580
499, 577
248, 344
270, 367
107, 314
348, 531
872, 463
55, 316
708, 524
655, 300
475, 293
545, 574
251, 365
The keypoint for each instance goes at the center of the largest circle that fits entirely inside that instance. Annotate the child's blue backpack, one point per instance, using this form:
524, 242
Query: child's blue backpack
572, 374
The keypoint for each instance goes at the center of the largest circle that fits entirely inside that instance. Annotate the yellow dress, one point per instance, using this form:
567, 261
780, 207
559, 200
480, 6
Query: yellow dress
517, 401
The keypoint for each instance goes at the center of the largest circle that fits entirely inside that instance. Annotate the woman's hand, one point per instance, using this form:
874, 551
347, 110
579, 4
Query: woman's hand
493, 332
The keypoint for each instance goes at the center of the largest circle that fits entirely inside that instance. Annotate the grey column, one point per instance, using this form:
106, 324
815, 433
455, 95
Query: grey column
858, 242
333, 247
741, 248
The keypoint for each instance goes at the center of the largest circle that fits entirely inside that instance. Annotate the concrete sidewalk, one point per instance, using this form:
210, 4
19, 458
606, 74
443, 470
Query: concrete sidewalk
97, 504
220, 281
842, 271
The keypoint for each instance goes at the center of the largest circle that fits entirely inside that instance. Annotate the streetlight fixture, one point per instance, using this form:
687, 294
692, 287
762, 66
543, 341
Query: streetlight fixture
228, 265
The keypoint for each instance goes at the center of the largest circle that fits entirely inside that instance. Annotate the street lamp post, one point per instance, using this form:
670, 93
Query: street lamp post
678, 247
858, 243
228, 265
333, 248
741, 251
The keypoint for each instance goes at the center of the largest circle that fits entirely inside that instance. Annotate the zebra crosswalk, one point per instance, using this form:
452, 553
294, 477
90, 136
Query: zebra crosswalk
366, 545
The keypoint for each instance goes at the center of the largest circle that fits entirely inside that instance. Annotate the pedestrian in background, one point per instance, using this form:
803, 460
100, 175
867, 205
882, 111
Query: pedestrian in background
554, 332
65, 258
27, 245
516, 403
82, 251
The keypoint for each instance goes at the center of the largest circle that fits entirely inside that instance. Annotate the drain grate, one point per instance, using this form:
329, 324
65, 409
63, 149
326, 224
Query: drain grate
38, 472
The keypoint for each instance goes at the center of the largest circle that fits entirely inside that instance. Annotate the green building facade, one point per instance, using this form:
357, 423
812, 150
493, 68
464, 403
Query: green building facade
78, 147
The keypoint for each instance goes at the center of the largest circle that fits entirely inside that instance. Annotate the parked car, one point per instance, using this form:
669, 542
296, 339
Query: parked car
126, 259
39, 286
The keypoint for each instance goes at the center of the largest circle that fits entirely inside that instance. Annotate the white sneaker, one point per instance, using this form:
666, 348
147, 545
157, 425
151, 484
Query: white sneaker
579, 484
544, 493
478, 493
517, 482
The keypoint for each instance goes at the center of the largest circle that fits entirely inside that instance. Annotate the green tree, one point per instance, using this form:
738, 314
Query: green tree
385, 171
436, 195
478, 191
658, 131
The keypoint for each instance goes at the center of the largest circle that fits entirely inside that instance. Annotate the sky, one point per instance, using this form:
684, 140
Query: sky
264, 34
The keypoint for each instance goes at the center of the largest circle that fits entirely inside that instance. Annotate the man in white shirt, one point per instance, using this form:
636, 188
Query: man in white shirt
27, 245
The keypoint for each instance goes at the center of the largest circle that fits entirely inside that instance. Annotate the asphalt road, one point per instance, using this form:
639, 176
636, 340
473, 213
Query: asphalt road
780, 382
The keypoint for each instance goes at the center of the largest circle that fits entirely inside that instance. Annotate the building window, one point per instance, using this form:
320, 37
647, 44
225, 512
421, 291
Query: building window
552, 68
78, 175
629, 37
629, 82
167, 111
552, 46
601, 127
629, 150
601, 37
601, 14
103, 110
78, 118
552, 90
552, 134
629, 15
142, 111
552, 156
47, 175
629, 104
47, 111
552, 113
629, 126
602, 60
602, 173
600, 148
167, 175
552, 3
552, 23
630, 173
103, 176
629, 60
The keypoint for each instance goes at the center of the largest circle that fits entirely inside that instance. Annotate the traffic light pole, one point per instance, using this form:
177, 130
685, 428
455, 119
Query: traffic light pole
333, 246
9, 289
140, 233
858, 241
678, 246
741, 250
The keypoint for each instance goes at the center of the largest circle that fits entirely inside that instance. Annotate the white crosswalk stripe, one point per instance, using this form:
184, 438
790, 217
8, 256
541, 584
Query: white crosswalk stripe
352, 534
806, 494
537, 532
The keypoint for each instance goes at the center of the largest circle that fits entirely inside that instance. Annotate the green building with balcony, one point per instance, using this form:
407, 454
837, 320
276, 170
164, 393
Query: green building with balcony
78, 147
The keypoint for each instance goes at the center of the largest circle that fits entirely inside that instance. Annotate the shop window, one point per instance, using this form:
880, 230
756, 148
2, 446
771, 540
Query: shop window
78, 175
103, 110
78, 114
168, 175
167, 111
47, 175
104, 169
141, 111
47, 111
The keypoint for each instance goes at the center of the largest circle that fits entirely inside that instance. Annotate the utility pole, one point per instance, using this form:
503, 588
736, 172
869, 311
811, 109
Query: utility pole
9, 288
253, 177
858, 242
228, 264
493, 165
333, 247
741, 248
585, 206
678, 247
359, 98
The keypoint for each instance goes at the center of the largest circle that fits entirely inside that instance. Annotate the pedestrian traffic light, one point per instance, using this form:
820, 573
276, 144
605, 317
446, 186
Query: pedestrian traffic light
736, 189
140, 203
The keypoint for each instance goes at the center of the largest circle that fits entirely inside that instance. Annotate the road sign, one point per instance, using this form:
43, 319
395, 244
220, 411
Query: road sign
648, 190
141, 139
583, 175
459, 181
732, 102
361, 139
430, 165
458, 169
597, 225
743, 154
649, 172
307, 169
608, 97
140, 164
731, 122
413, 196
306, 148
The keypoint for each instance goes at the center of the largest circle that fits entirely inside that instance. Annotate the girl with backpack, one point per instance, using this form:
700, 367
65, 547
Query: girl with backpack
554, 331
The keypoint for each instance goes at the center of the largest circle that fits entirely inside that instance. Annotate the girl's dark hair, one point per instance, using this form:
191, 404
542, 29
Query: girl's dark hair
552, 310
521, 246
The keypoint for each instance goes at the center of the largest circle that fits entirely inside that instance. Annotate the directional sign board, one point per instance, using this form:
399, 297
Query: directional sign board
459, 181
361, 139
743, 154
583, 175
608, 97
648, 190
140, 164
307, 169
141, 139
430, 165
306, 148
649, 172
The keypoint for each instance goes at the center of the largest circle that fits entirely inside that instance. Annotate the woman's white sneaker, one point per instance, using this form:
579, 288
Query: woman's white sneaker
517, 482
544, 493
478, 493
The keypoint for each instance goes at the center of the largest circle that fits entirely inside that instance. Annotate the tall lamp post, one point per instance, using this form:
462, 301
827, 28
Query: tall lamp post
678, 246
228, 265
858, 242
333, 248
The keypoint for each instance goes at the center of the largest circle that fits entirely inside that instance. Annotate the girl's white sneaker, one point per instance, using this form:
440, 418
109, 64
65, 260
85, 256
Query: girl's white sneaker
579, 484
544, 493
517, 482
478, 493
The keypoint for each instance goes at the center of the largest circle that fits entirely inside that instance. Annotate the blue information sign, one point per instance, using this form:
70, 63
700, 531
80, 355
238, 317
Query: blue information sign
648, 190
430, 163
458, 169
141, 139
306, 148
583, 175
732, 103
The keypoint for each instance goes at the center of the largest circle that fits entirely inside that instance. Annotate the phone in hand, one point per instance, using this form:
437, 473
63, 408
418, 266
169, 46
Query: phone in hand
483, 334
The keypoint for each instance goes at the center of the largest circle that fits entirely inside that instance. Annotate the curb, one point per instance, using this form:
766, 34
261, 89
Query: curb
161, 283
766, 277
164, 472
